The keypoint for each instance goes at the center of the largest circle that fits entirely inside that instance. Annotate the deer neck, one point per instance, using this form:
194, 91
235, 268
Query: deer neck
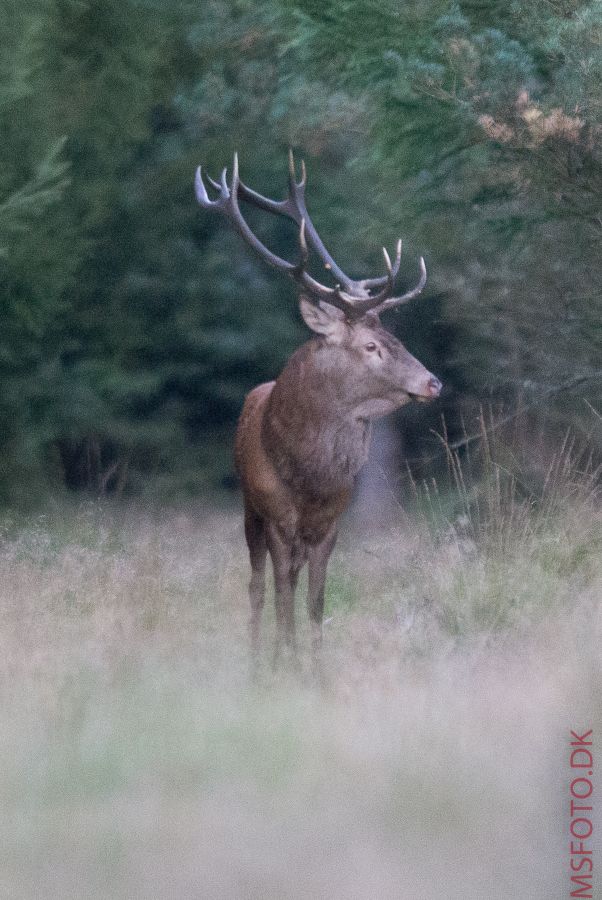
315, 442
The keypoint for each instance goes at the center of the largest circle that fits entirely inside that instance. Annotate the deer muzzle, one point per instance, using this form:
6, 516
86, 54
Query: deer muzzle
430, 391
433, 387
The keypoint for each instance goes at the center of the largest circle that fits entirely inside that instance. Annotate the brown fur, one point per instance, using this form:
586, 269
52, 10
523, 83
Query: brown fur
300, 444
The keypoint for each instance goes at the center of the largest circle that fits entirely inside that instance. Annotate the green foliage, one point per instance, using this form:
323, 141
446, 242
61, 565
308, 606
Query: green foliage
132, 324
488, 120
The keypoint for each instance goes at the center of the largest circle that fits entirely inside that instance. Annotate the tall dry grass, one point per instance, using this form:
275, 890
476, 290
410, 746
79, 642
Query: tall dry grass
137, 760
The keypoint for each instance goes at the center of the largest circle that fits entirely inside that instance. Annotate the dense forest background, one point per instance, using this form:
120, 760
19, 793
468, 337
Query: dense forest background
132, 322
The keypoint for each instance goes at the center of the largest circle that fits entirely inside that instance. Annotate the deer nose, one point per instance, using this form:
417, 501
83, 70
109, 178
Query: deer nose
433, 387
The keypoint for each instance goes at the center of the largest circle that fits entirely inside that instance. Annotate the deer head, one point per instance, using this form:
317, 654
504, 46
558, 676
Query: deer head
369, 369
363, 365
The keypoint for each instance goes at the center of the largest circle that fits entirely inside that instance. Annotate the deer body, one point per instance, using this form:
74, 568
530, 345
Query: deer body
302, 439
300, 444
297, 456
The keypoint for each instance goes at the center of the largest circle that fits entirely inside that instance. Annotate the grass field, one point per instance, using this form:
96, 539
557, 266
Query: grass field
137, 759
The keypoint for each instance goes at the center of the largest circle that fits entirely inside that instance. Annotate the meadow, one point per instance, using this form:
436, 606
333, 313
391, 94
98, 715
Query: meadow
139, 760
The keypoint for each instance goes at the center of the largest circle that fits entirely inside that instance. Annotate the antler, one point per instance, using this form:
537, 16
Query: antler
354, 298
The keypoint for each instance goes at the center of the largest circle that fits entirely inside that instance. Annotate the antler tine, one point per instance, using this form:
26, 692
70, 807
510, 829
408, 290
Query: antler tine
303, 249
379, 282
388, 263
235, 178
292, 170
199, 188
390, 302
224, 184
388, 288
201, 191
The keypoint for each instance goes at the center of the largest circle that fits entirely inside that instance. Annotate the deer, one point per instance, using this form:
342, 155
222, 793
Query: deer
302, 439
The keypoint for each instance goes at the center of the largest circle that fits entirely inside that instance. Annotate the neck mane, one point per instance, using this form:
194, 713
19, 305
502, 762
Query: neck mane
314, 441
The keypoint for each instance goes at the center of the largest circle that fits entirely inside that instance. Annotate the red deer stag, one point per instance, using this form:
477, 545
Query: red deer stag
303, 438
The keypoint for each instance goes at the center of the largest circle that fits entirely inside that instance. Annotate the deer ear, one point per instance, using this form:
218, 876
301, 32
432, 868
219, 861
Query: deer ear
324, 319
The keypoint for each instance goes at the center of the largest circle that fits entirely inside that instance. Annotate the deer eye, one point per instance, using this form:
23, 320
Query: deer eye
371, 347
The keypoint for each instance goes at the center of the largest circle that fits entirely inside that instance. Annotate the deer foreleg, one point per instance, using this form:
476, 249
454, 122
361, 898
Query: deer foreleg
285, 576
318, 557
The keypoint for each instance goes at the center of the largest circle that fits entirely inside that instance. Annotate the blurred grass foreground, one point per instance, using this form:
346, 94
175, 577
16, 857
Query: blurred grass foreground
138, 760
